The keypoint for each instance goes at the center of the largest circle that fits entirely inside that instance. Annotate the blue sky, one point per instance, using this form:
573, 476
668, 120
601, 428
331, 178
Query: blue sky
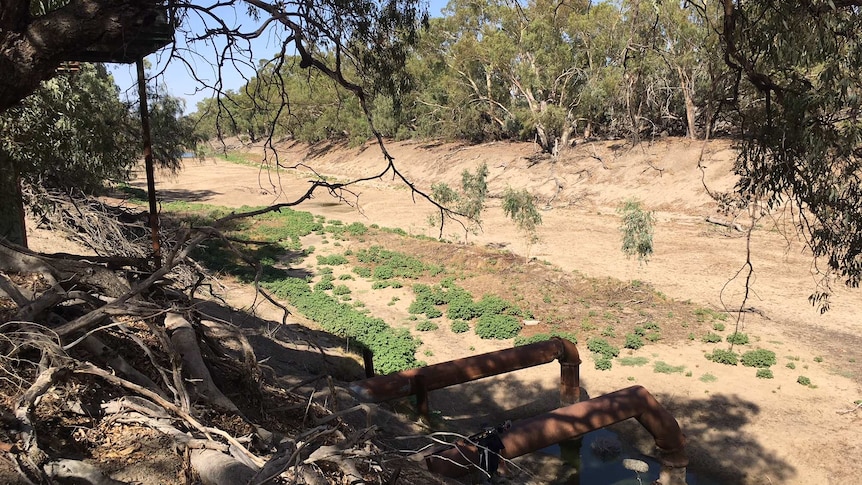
180, 81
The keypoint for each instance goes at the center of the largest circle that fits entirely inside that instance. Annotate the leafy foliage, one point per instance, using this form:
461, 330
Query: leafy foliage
633, 341
737, 338
460, 326
764, 374
661, 367
426, 326
603, 363
711, 338
393, 350
521, 208
541, 337
759, 358
721, 356
637, 229
601, 346
497, 326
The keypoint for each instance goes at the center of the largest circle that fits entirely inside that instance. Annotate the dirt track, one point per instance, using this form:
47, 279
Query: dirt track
767, 431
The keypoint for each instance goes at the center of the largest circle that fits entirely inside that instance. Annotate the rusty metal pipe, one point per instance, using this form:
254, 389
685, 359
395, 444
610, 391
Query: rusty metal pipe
445, 374
533, 434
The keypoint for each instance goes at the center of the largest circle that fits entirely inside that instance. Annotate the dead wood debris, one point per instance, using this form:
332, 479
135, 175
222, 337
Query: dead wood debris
108, 343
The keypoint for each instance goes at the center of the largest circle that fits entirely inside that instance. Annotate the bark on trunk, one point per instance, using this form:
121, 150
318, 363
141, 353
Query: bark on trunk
31, 47
12, 216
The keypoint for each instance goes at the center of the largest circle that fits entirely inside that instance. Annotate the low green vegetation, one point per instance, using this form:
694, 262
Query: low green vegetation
392, 264
661, 367
737, 338
541, 337
393, 350
761, 358
601, 346
633, 341
706, 378
333, 260
633, 361
426, 326
764, 374
460, 326
721, 356
803, 380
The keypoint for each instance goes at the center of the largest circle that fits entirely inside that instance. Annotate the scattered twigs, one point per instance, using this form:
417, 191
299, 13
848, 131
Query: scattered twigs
13, 291
858, 405
723, 222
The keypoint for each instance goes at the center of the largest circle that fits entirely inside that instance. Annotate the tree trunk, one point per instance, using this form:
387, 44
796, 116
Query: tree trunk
690, 108
31, 47
12, 216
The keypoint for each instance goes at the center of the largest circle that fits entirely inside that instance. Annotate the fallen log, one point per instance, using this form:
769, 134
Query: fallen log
723, 222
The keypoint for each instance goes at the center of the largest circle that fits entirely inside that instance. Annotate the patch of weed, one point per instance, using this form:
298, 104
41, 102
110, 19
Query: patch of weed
761, 358
661, 367
721, 356
737, 338
633, 361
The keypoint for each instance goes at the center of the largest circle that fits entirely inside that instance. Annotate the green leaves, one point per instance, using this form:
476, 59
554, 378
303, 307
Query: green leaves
637, 230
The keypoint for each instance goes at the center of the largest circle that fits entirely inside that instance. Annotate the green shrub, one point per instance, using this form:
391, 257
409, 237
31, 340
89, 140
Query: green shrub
433, 312
759, 358
497, 326
460, 326
326, 270
707, 378
362, 271
633, 341
345, 277
341, 290
394, 350
651, 326
639, 331
461, 307
494, 305
426, 326
721, 356
601, 346
803, 380
325, 283
791, 365
764, 374
737, 338
653, 336
383, 272
333, 260
603, 363
609, 332
711, 338
541, 337
718, 326
818, 359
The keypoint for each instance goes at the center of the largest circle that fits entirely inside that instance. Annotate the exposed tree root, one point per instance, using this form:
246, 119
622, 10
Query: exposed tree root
96, 339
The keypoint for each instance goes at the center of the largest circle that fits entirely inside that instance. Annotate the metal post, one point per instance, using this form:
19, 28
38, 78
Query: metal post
368, 358
148, 164
421, 391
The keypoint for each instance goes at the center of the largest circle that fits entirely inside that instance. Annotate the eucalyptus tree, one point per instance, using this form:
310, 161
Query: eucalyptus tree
801, 132
74, 132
